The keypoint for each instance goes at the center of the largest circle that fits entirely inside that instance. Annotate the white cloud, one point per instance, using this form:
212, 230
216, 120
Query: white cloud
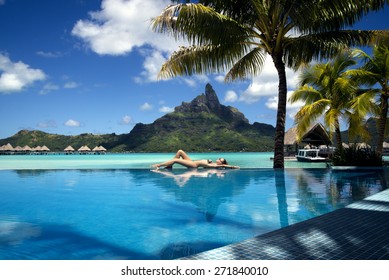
47, 88
146, 106
47, 124
73, 123
152, 64
291, 109
220, 78
70, 85
266, 84
121, 25
166, 109
15, 76
272, 103
189, 82
126, 120
49, 54
230, 96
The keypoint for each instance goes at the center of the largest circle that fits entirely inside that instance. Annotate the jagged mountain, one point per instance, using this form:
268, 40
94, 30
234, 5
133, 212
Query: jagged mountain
200, 125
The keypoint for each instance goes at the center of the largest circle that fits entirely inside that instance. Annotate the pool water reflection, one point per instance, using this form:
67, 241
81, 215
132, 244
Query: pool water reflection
140, 214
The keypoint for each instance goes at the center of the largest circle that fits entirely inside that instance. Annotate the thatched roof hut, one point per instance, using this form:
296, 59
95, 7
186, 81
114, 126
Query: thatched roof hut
27, 148
69, 149
84, 149
18, 149
7, 147
45, 149
316, 135
99, 149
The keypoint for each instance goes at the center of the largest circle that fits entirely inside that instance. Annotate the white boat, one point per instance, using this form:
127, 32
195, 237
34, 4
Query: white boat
310, 155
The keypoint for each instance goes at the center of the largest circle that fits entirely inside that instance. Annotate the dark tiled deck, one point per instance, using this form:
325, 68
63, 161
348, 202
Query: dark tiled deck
359, 231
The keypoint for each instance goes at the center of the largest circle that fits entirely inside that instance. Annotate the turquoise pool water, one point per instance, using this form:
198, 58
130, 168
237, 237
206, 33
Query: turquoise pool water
136, 161
141, 214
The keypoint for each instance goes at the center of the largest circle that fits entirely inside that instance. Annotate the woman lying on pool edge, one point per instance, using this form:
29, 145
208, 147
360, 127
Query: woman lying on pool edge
183, 159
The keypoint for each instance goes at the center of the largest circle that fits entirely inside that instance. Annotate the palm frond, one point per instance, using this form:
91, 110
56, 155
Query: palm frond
364, 103
356, 127
306, 94
331, 119
200, 25
325, 45
200, 59
249, 65
326, 15
309, 114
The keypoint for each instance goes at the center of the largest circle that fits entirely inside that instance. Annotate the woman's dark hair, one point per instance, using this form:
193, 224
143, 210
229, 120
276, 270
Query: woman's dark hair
223, 161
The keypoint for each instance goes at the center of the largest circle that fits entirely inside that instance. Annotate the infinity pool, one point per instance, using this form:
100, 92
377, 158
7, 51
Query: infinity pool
141, 214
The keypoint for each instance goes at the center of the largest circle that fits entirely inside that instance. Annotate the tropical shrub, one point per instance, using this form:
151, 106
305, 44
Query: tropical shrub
355, 156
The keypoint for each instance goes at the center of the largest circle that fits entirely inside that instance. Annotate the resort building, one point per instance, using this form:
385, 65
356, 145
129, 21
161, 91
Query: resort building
316, 136
69, 150
9, 150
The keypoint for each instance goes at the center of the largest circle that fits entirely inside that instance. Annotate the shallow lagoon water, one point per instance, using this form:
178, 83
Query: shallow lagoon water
137, 161
94, 207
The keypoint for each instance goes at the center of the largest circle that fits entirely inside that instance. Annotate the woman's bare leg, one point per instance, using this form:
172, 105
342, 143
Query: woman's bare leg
181, 158
170, 163
182, 154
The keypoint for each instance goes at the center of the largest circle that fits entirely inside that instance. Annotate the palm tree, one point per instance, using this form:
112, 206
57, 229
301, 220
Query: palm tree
329, 90
375, 71
238, 37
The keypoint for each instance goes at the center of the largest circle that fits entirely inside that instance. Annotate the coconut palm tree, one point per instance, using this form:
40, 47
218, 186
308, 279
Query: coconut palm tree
236, 39
374, 72
329, 90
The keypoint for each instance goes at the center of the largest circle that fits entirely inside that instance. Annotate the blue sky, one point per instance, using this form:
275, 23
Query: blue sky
90, 66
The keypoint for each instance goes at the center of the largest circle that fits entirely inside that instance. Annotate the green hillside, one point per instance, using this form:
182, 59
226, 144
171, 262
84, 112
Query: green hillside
201, 125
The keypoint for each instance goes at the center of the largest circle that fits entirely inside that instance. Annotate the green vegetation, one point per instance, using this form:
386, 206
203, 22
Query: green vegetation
354, 156
234, 36
57, 142
202, 125
338, 92
329, 90
375, 71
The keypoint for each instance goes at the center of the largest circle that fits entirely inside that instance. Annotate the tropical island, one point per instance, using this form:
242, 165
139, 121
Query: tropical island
202, 125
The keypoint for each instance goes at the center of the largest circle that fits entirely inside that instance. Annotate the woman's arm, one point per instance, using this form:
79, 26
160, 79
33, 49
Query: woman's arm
230, 166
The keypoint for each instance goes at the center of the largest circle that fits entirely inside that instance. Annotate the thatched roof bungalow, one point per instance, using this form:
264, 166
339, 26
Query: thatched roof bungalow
316, 136
69, 150
84, 149
99, 150
27, 149
6, 149
45, 149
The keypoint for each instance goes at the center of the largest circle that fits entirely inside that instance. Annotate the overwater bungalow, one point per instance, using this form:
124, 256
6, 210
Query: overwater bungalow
316, 136
27, 149
6, 149
99, 150
45, 149
69, 150
84, 150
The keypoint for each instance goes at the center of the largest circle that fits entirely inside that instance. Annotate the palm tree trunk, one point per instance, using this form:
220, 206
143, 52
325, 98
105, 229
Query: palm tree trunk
338, 136
281, 112
382, 122
281, 197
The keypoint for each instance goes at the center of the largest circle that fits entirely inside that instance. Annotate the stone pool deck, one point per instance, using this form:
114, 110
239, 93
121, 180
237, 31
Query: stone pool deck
358, 232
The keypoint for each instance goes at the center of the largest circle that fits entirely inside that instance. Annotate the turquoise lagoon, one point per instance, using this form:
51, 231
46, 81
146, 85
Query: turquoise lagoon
137, 161
114, 207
